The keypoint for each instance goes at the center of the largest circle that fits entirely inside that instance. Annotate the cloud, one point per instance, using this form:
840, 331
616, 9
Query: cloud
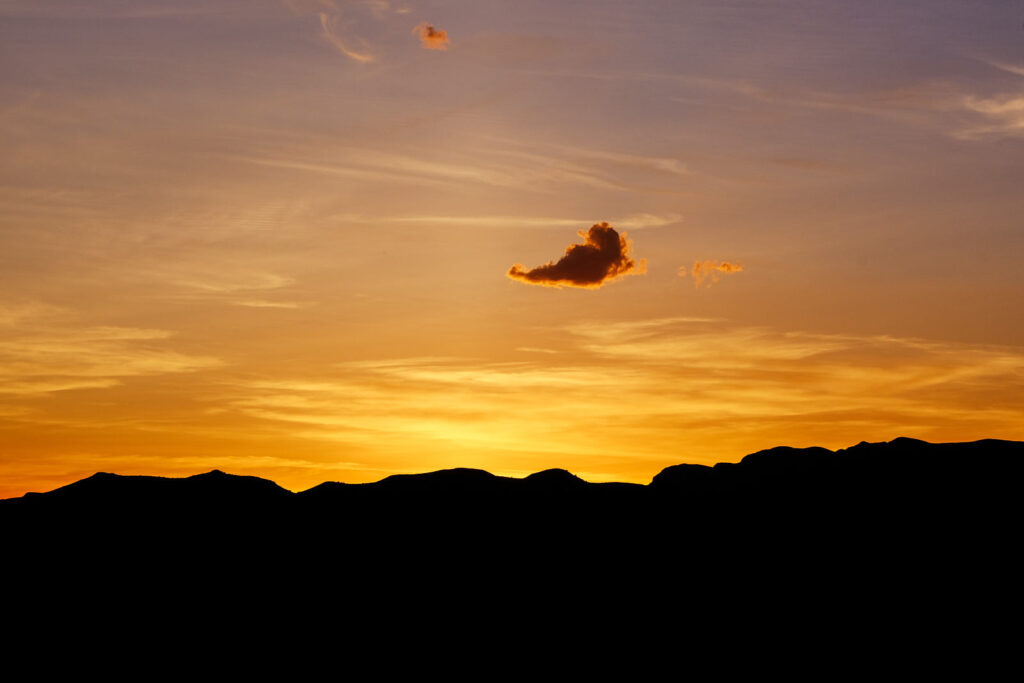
651, 220
227, 283
645, 390
602, 257
1009, 68
330, 32
636, 221
262, 303
43, 351
713, 270
432, 38
493, 162
338, 17
1005, 115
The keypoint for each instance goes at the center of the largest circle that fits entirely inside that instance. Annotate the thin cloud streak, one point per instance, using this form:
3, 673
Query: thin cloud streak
635, 222
44, 354
1009, 68
663, 164
226, 283
806, 98
511, 171
633, 329
262, 303
493, 161
572, 161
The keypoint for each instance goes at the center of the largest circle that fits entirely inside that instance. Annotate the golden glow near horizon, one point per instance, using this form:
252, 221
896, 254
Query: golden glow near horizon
273, 237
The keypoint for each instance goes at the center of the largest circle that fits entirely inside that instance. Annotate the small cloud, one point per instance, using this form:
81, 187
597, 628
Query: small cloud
713, 270
603, 256
432, 38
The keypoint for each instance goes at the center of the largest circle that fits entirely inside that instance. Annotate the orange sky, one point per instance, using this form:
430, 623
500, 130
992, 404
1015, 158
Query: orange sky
273, 237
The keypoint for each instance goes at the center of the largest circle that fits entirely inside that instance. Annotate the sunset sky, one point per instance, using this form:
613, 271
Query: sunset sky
294, 238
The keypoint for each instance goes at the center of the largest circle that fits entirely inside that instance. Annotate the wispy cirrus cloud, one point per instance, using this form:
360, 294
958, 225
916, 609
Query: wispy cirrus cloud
335, 17
486, 160
601, 166
1009, 68
1000, 114
329, 28
249, 289
634, 221
906, 106
263, 303
335, 28
668, 165
46, 349
227, 282
1004, 116
498, 168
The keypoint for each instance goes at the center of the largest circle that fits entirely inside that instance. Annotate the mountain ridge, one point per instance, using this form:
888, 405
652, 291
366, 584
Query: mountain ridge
451, 480
853, 524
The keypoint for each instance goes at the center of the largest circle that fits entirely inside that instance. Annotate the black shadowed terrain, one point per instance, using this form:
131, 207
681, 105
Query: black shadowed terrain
903, 491
858, 551
904, 521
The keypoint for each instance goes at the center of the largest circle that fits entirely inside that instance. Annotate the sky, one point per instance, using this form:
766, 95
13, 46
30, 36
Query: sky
317, 240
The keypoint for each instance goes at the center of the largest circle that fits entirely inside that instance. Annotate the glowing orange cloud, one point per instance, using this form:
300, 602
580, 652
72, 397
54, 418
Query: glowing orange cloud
432, 38
703, 270
602, 257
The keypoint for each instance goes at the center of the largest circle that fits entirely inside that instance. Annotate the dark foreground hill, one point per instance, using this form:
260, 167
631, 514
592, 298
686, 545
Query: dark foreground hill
851, 549
897, 492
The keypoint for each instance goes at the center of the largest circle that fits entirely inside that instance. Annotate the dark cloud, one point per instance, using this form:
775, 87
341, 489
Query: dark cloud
603, 256
432, 38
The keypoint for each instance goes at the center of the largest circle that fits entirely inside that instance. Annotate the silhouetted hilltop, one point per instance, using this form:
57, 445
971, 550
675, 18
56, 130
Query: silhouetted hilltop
556, 479
902, 464
214, 488
874, 524
867, 486
885, 492
906, 469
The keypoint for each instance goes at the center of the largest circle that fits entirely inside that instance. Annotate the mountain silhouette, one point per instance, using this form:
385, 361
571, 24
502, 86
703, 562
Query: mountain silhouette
215, 488
926, 531
902, 473
889, 496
